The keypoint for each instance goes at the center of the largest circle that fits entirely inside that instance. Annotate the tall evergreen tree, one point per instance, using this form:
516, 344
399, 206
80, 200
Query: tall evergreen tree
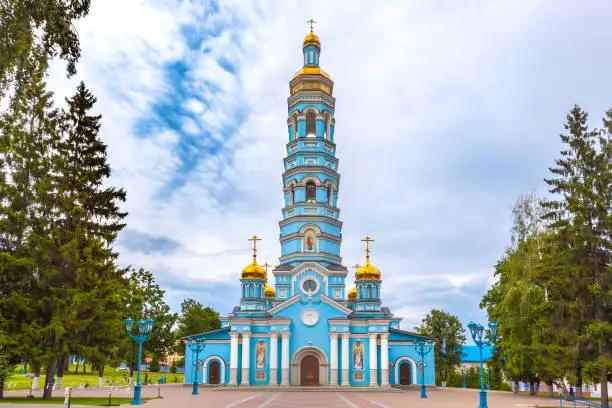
581, 215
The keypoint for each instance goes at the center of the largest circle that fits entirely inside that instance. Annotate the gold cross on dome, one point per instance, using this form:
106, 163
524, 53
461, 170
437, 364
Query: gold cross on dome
266, 265
254, 238
356, 266
367, 240
311, 22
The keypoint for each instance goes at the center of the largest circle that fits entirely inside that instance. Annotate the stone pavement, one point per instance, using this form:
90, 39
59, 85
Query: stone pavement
180, 397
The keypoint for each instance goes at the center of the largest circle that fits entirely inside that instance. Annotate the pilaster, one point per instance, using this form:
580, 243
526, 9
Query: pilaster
246, 359
373, 360
273, 359
333, 355
285, 358
384, 359
345, 360
233, 358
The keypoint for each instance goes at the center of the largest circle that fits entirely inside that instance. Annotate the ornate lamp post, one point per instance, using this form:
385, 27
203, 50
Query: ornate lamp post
423, 348
477, 331
196, 347
144, 330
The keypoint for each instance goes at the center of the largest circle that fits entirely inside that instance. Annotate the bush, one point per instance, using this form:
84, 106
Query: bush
154, 366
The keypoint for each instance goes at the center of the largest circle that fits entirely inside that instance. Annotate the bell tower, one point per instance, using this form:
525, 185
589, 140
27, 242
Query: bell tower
310, 229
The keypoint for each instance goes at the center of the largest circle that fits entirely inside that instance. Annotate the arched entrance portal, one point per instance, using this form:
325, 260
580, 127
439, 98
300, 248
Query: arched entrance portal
309, 366
404, 373
309, 371
214, 372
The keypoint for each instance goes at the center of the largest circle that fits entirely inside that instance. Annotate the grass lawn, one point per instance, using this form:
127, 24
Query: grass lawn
111, 377
95, 401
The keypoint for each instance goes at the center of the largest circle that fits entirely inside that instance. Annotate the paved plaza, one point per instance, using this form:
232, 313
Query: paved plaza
180, 397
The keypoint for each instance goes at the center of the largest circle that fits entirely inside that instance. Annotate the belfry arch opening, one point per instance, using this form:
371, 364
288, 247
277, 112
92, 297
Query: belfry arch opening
311, 124
311, 191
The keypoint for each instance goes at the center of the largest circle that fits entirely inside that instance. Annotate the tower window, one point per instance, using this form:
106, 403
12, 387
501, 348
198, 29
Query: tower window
329, 195
311, 192
311, 124
292, 195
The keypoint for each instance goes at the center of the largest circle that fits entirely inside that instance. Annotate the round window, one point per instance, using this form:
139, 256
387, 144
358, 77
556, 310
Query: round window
310, 286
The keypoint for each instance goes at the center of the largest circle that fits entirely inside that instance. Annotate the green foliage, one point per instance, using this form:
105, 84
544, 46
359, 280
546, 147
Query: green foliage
195, 319
450, 336
553, 297
45, 27
154, 366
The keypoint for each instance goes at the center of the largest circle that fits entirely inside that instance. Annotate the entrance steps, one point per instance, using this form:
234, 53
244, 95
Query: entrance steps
299, 388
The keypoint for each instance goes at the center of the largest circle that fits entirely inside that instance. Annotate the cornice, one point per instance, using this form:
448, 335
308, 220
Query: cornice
309, 170
310, 218
312, 153
321, 235
306, 255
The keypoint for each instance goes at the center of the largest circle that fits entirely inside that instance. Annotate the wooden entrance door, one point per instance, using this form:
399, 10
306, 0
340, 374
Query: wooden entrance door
404, 374
309, 371
213, 372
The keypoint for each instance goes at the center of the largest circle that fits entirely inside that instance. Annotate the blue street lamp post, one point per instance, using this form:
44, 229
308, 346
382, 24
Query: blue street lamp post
196, 347
423, 348
144, 330
477, 332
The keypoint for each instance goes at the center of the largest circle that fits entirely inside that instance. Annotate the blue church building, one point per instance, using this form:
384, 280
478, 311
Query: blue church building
305, 328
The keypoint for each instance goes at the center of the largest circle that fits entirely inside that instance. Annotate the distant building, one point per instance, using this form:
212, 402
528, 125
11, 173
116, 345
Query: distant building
470, 356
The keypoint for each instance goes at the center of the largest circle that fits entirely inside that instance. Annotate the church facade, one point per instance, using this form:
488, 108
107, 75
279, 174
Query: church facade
307, 329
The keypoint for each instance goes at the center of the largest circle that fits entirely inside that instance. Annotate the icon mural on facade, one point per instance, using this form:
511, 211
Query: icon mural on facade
310, 241
260, 355
358, 355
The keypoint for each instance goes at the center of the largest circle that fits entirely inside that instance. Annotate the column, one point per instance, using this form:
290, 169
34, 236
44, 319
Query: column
273, 359
285, 359
384, 359
345, 360
333, 354
233, 358
373, 360
246, 358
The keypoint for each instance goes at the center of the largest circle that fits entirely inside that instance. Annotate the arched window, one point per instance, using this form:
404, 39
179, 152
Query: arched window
251, 291
292, 195
311, 124
329, 194
311, 192
244, 291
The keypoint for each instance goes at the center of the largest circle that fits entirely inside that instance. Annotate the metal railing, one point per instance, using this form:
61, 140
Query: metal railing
567, 402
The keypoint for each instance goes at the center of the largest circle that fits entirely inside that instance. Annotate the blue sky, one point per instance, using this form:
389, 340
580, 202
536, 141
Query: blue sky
447, 111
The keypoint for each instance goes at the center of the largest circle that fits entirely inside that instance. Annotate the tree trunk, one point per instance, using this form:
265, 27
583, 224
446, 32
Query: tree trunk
551, 392
1, 388
516, 387
36, 380
25, 366
76, 370
84, 367
101, 375
604, 387
60, 373
48, 391
578, 391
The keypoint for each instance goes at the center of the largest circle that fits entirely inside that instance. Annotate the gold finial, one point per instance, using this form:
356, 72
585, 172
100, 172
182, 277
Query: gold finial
356, 266
311, 22
367, 240
254, 238
266, 265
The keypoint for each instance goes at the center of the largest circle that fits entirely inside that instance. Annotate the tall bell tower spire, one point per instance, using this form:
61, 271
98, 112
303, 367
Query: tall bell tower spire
310, 226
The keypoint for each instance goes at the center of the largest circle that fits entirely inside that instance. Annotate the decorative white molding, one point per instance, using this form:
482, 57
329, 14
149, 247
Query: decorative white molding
221, 369
413, 365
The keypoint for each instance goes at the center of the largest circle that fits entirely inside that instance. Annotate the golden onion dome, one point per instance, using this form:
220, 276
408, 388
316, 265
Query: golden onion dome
367, 272
312, 39
253, 271
310, 70
269, 292
352, 294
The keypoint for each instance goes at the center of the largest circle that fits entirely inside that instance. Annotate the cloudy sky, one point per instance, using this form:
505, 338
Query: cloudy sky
446, 112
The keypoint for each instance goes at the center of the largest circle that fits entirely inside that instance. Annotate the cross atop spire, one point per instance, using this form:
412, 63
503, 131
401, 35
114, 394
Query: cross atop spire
254, 238
356, 266
367, 240
311, 22
266, 265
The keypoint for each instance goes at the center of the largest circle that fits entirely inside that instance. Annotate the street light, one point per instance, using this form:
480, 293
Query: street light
144, 330
196, 347
423, 348
477, 331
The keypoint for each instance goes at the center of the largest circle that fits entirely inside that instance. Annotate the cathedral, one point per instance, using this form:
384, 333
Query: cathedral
306, 329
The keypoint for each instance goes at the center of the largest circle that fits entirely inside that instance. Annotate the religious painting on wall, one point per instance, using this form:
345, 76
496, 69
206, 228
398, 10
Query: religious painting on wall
260, 355
310, 241
358, 355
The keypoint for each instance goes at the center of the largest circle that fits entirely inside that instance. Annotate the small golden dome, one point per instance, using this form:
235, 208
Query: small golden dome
253, 271
312, 38
310, 70
367, 272
352, 295
269, 292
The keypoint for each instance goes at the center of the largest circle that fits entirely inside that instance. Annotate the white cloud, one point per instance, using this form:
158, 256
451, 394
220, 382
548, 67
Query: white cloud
445, 112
